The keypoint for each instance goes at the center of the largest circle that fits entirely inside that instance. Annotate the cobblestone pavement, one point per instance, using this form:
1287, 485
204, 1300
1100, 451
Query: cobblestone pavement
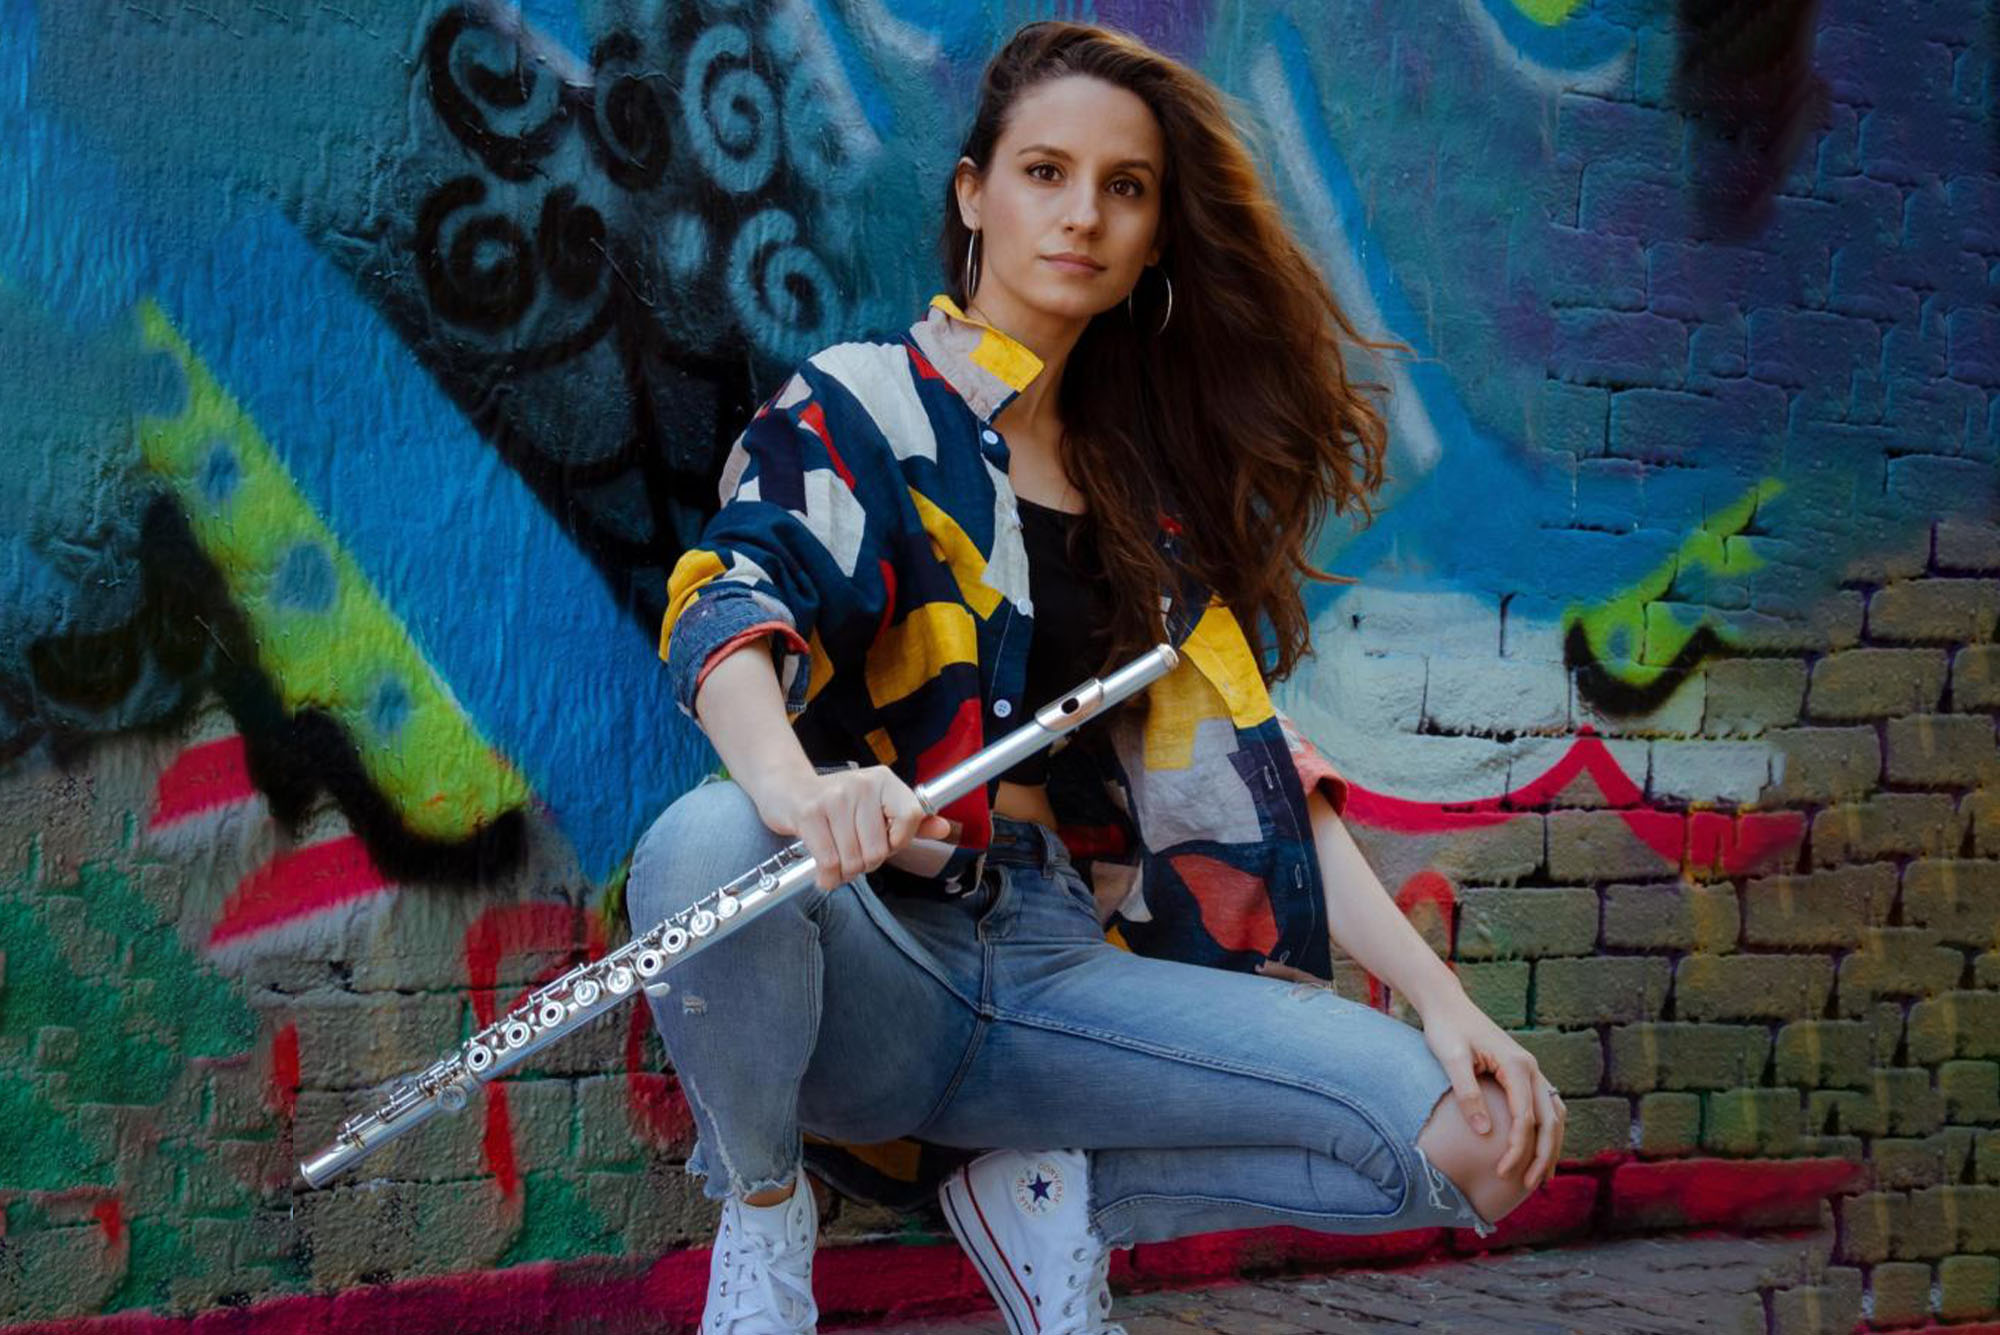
1637, 1286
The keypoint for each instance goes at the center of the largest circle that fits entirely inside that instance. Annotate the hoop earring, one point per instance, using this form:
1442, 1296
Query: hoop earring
971, 274
1170, 304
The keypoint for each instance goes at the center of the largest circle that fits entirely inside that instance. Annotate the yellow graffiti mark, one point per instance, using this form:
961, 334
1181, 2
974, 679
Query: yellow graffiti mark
1638, 637
324, 636
1549, 13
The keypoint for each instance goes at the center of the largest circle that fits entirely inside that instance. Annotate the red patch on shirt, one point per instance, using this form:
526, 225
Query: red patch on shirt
1235, 906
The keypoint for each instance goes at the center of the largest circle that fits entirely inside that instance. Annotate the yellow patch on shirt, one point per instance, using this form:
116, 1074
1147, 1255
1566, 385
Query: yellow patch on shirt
959, 552
696, 567
920, 646
1220, 650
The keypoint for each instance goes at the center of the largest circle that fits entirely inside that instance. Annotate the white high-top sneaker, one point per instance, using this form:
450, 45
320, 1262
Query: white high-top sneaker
1022, 1218
760, 1269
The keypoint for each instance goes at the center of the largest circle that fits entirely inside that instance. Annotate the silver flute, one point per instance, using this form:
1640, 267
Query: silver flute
566, 1004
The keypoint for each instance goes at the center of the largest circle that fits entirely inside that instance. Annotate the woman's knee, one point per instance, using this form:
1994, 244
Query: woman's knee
707, 837
1471, 1160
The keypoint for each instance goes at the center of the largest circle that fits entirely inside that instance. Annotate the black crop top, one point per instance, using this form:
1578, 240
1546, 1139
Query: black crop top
1072, 616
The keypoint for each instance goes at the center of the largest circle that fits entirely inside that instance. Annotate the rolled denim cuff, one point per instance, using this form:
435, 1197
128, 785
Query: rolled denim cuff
716, 621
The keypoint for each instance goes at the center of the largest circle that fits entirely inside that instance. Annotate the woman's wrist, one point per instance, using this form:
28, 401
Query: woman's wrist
1435, 987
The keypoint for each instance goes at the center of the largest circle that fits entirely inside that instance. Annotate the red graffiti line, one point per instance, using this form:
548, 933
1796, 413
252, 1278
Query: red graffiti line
283, 1093
293, 885
1426, 887
110, 1217
1710, 842
202, 778
504, 931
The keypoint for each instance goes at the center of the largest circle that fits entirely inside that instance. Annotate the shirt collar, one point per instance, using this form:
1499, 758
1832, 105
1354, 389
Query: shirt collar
986, 367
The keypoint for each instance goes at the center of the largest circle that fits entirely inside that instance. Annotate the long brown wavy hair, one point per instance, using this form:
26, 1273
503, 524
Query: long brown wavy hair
1240, 415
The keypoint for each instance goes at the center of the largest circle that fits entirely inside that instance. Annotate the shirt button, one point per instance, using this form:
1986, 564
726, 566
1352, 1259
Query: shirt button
1002, 708
989, 437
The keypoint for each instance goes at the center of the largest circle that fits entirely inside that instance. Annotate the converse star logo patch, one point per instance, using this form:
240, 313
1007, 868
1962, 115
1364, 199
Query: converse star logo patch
1038, 1189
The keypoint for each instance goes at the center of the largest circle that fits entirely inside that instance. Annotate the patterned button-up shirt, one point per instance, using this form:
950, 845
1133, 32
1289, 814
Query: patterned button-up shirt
868, 526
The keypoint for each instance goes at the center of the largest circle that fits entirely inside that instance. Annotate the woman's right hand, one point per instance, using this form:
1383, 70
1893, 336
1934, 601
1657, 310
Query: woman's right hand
851, 820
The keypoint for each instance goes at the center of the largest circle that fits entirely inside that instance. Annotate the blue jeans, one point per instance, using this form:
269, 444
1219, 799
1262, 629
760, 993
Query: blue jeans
1207, 1099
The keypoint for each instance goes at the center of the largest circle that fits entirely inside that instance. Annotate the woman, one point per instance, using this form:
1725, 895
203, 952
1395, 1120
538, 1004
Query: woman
1123, 427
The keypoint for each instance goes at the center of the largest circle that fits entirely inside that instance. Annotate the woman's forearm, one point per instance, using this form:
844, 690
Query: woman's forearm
742, 709
1364, 921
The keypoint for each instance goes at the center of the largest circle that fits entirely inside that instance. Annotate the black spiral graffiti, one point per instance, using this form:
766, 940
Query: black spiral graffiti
551, 266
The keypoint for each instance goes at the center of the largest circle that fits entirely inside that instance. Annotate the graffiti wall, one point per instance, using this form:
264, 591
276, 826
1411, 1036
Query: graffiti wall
364, 367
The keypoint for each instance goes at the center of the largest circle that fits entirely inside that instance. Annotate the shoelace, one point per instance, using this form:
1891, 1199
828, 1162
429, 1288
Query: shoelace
754, 1287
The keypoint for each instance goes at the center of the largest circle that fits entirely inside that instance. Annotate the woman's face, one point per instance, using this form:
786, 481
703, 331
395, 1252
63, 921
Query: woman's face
1069, 209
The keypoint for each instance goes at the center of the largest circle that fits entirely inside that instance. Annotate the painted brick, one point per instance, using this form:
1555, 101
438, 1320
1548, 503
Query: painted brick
1868, 1223
1958, 897
404, 1228
1671, 915
1593, 129
1598, 845
1708, 770
347, 1040
1503, 852
1525, 924
1904, 1162
1986, 970
1888, 823
1968, 1286
1824, 908
1885, 1019
1897, 962
1967, 545
1941, 750
1500, 989
1986, 1156
1929, 1232
1842, 1112
1979, 814
1573, 1061
1605, 988
1535, 757
1572, 418
1932, 484
1975, 346
1872, 683
1833, 1304
1617, 200
1719, 351
1593, 267
1669, 1124
1971, 1091
1931, 611
1975, 1210
1489, 695
1975, 677
1681, 1056
1597, 1126
1955, 1024
1750, 696
1752, 987
1796, 348
1657, 424
1899, 1293
1819, 1054
1908, 1104
1824, 764
1618, 348
1761, 1122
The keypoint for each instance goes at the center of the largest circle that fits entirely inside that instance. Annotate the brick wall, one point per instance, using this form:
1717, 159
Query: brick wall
344, 481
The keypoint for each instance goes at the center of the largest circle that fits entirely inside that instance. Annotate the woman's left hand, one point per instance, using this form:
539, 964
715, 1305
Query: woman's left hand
1468, 1043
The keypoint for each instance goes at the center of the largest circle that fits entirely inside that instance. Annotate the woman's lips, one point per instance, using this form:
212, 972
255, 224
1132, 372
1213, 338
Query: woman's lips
1072, 266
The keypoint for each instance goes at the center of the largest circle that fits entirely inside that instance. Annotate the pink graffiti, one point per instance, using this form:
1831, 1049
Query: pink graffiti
202, 778
1713, 842
293, 885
